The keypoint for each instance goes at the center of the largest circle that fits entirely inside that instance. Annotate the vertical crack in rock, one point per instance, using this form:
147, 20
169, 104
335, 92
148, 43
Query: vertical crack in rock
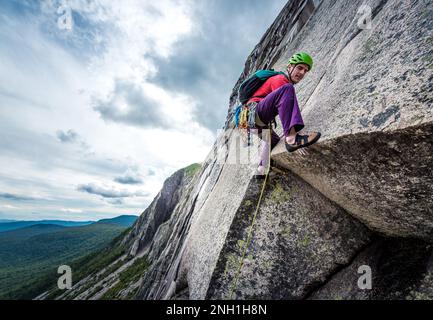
399, 269
315, 287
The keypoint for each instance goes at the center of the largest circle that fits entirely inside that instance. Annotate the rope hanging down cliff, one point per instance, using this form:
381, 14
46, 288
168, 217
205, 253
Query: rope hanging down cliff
250, 231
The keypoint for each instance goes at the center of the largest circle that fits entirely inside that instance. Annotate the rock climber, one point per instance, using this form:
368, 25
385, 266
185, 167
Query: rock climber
277, 96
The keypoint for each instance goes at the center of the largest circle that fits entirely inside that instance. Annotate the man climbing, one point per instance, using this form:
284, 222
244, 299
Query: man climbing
277, 96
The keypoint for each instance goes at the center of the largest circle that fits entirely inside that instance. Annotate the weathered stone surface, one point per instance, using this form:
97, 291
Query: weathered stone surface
363, 80
168, 243
423, 290
157, 213
384, 179
299, 237
400, 269
367, 80
211, 224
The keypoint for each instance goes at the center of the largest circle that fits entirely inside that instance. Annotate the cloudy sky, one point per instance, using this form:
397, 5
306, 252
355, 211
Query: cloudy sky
101, 101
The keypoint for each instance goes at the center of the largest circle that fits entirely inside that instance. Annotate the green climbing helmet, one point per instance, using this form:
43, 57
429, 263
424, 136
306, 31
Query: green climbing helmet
302, 57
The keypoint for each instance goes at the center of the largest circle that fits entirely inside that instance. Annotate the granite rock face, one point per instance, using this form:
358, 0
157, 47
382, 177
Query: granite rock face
382, 178
157, 213
295, 243
400, 269
361, 196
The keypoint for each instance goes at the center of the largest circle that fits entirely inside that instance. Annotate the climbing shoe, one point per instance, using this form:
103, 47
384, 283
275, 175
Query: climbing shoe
302, 141
260, 173
271, 173
259, 176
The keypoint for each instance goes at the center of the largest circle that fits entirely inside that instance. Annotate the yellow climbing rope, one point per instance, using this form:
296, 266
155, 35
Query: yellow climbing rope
234, 286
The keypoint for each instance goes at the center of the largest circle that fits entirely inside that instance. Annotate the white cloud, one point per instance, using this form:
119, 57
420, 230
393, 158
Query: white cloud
46, 94
71, 210
8, 206
108, 191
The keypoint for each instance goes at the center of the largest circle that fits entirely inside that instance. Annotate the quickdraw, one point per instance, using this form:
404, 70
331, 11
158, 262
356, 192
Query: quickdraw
245, 119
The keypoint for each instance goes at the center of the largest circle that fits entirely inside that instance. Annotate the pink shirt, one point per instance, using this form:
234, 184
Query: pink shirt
273, 83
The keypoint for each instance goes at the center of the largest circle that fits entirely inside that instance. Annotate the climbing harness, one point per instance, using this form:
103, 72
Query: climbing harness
245, 114
250, 231
244, 119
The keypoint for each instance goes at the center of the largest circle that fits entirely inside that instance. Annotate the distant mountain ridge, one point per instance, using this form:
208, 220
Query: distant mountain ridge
123, 220
9, 226
28, 232
29, 256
